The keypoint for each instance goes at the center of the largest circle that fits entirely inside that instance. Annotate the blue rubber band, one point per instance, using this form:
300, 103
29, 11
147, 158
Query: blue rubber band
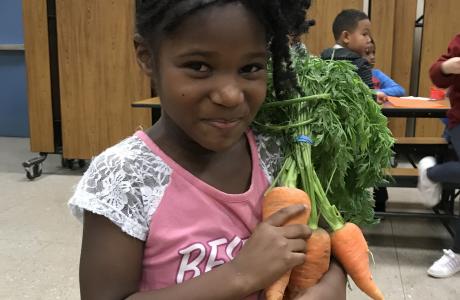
304, 139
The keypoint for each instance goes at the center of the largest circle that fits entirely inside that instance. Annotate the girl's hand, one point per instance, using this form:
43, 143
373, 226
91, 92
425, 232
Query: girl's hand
272, 250
331, 287
381, 97
451, 66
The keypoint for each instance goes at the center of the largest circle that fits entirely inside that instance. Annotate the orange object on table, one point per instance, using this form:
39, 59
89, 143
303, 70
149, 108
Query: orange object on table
437, 93
408, 103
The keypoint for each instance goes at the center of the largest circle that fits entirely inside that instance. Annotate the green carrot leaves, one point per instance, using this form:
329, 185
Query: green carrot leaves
351, 142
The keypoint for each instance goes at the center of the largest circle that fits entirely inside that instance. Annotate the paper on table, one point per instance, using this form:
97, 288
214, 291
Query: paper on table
417, 98
408, 103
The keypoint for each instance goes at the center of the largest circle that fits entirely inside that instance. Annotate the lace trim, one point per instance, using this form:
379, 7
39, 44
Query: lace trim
125, 184
269, 149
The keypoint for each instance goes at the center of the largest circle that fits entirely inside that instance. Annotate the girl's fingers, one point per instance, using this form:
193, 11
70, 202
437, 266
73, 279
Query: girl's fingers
283, 215
296, 231
298, 246
297, 258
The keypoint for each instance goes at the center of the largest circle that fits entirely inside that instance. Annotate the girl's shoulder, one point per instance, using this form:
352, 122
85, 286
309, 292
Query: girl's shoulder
125, 183
377, 72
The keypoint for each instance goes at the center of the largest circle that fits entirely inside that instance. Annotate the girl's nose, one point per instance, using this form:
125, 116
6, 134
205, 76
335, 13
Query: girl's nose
228, 95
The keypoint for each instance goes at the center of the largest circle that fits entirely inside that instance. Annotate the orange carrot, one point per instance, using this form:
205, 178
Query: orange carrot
350, 249
276, 199
316, 262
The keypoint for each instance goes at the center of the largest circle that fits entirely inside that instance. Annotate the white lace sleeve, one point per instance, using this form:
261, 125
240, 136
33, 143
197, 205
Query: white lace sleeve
269, 148
125, 184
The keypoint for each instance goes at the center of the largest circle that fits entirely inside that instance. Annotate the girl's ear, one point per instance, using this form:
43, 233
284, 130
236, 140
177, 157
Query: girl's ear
144, 55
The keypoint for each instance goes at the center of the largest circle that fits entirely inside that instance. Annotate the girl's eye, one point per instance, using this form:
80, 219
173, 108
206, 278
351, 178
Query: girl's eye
198, 67
252, 68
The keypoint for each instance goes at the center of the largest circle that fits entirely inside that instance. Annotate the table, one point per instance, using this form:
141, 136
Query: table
153, 103
387, 109
150, 102
427, 147
399, 112
445, 209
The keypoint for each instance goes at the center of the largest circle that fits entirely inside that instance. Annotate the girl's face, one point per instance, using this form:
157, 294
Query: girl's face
210, 74
370, 54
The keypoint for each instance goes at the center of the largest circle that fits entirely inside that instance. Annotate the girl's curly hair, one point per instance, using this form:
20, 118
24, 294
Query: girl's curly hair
282, 19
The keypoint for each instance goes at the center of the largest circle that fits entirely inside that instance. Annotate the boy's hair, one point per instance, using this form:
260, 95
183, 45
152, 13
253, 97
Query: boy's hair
347, 20
280, 18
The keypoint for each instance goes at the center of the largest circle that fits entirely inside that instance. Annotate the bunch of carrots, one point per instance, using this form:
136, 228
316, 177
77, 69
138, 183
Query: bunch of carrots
336, 146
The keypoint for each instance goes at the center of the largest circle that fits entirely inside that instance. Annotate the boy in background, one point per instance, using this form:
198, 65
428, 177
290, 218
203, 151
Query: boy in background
352, 33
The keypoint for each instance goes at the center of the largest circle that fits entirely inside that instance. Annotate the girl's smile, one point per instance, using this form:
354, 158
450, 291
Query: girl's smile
223, 123
210, 74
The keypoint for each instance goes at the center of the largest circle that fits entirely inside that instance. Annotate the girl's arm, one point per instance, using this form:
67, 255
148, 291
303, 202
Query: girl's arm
388, 85
111, 262
438, 76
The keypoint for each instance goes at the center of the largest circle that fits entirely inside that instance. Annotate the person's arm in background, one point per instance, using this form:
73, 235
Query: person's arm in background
365, 72
388, 85
445, 72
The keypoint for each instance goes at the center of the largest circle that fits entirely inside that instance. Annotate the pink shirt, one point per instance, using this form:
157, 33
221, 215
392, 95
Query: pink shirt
188, 226
197, 227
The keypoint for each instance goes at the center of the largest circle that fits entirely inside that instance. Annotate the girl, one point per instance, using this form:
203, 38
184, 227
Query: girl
174, 212
445, 73
384, 86
382, 82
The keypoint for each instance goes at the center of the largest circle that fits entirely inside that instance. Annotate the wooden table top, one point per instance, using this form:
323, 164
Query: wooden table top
387, 109
439, 112
150, 102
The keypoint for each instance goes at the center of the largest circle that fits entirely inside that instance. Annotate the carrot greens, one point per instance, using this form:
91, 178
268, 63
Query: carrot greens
336, 141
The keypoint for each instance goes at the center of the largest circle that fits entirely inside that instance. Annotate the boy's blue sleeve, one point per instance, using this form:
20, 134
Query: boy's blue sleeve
388, 85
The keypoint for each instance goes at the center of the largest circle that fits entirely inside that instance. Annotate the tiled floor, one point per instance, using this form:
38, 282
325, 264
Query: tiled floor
40, 240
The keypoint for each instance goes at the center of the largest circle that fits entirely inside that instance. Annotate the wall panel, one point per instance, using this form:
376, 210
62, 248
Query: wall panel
38, 75
99, 76
441, 24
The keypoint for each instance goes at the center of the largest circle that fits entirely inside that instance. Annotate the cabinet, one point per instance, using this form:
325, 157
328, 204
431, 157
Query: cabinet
82, 75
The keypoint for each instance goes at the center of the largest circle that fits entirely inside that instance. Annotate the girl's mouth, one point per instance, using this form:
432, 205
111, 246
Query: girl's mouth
223, 123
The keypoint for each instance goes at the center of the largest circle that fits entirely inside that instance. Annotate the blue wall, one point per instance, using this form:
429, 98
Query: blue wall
13, 90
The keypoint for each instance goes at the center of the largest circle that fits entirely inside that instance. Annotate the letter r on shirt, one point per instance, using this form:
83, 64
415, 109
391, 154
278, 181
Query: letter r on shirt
190, 266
